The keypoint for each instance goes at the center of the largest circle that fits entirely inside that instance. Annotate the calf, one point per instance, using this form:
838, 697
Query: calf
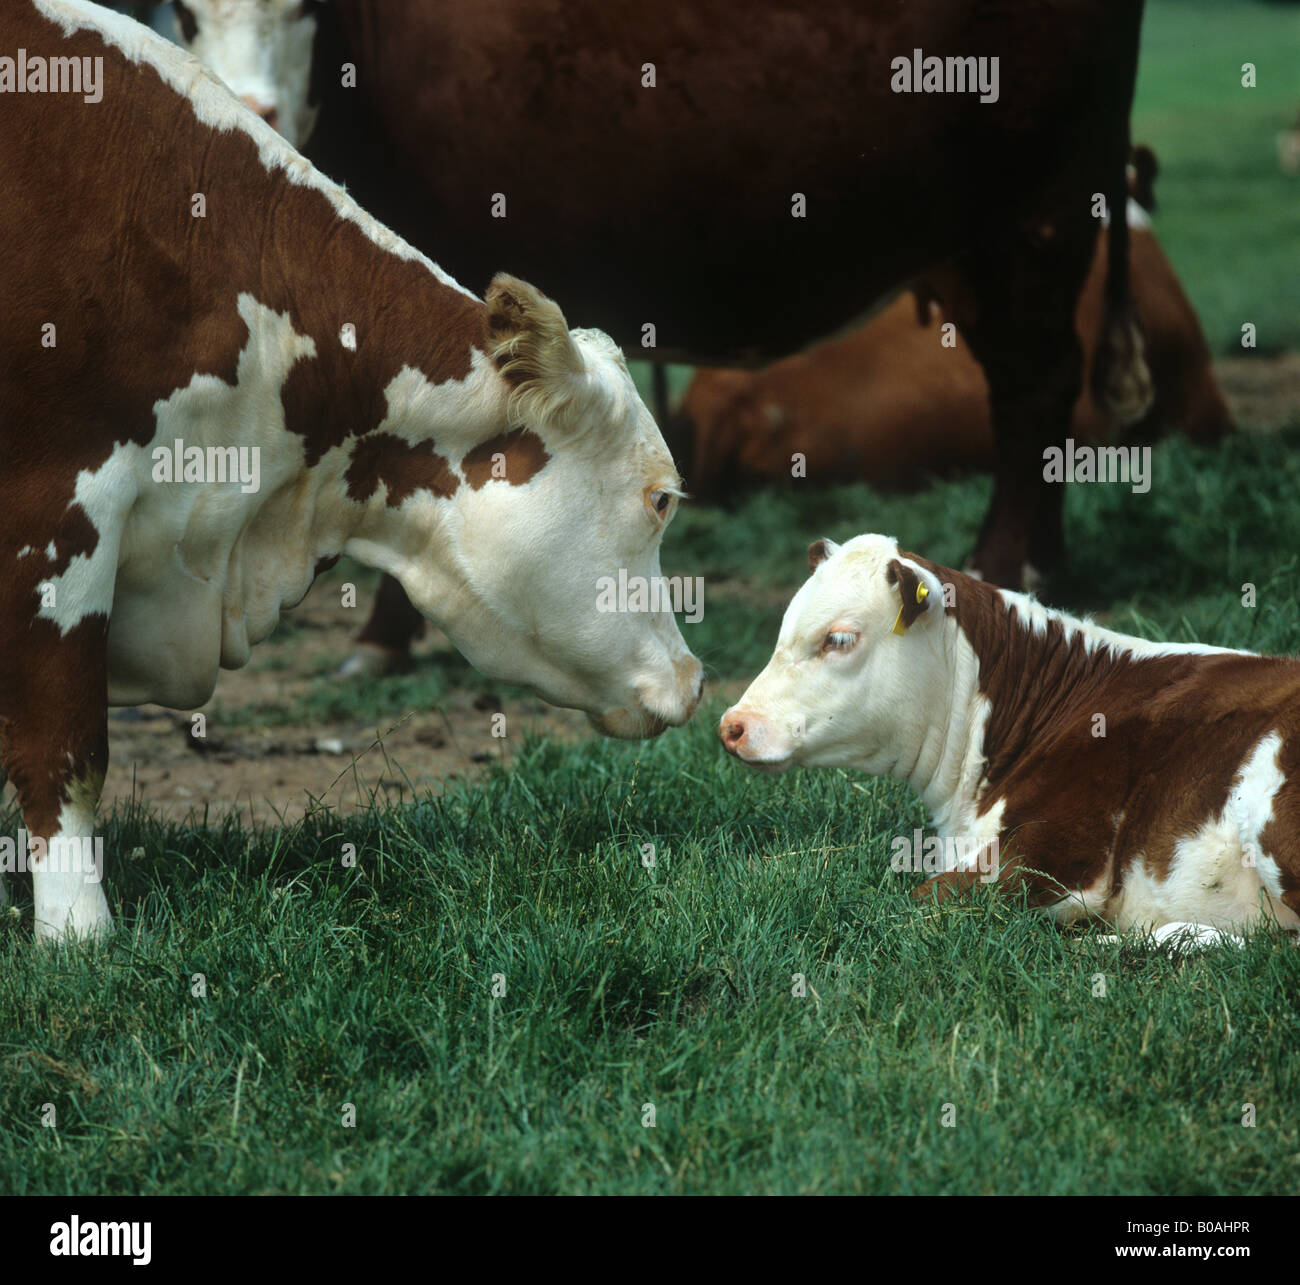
217, 375
1149, 784
889, 404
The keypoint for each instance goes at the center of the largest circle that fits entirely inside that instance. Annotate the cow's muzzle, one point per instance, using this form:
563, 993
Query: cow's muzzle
750, 738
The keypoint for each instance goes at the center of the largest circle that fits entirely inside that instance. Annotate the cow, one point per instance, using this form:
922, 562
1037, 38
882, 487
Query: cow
263, 50
708, 181
1155, 786
898, 400
217, 375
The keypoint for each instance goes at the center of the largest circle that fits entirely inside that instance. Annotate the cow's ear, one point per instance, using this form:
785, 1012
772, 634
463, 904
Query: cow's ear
819, 551
919, 594
531, 339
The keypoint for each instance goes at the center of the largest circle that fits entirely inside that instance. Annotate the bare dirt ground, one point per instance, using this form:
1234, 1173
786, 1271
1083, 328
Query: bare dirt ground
275, 772
1264, 392
269, 772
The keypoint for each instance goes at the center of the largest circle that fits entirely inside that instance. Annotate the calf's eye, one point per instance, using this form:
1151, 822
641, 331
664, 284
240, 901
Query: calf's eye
839, 640
659, 501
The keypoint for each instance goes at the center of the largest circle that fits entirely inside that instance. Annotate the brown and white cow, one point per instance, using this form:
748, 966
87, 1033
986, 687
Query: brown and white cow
1154, 785
897, 400
744, 178
217, 375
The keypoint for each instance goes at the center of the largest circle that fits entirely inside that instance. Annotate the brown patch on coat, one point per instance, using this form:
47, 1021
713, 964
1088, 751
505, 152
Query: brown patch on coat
47, 744
1279, 836
402, 467
524, 455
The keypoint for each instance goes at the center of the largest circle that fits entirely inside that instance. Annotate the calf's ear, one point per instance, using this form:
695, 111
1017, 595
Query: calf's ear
531, 340
919, 594
819, 551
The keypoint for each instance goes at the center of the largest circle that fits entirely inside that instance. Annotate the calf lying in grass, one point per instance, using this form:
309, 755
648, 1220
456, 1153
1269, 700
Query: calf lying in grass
1154, 785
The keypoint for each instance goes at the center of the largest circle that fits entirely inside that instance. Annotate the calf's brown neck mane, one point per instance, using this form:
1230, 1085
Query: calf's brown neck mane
1045, 688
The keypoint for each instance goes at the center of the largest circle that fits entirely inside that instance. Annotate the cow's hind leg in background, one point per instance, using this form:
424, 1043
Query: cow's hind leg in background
1022, 332
384, 644
1021, 327
1025, 287
54, 746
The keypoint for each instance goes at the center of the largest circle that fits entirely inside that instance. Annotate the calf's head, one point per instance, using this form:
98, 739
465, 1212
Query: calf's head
532, 562
262, 49
858, 671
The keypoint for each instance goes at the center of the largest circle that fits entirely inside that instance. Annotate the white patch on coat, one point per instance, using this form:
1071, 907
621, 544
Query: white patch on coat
69, 902
1036, 617
1218, 875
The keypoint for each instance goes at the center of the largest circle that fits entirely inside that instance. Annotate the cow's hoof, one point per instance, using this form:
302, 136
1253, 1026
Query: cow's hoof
371, 661
88, 920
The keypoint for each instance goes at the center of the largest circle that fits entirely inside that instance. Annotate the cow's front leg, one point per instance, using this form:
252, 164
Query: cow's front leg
54, 733
67, 881
1004, 874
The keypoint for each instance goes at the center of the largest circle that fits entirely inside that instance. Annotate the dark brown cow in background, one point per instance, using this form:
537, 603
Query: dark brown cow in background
746, 178
888, 404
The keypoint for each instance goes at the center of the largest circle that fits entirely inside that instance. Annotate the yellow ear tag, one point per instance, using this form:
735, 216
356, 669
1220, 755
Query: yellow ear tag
922, 593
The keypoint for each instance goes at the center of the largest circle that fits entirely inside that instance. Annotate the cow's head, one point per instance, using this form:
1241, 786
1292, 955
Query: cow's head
262, 49
858, 668
551, 524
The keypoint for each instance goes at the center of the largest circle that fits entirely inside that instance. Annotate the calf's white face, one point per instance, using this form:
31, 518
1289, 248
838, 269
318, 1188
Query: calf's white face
859, 673
262, 49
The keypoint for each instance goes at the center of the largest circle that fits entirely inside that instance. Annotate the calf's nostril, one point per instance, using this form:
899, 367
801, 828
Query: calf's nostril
733, 734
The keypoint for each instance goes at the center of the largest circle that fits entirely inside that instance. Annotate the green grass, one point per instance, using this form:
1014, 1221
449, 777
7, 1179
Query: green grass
626, 986
1228, 218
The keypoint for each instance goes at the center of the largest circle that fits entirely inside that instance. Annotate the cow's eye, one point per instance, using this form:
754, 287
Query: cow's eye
659, 502
188, 23
839, 640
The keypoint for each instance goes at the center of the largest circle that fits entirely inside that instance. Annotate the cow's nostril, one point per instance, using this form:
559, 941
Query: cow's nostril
733, 734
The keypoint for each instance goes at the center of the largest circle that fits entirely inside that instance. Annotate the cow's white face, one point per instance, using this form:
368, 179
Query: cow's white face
525, 557
262, 49
843, 689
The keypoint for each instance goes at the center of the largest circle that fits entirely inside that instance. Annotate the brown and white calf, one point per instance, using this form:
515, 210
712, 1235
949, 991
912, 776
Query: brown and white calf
218, 374
1156, 786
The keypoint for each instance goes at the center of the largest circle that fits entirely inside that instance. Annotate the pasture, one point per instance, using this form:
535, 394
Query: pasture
501, 988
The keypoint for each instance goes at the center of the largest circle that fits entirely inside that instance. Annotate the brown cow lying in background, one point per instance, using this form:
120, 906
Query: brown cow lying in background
890, 405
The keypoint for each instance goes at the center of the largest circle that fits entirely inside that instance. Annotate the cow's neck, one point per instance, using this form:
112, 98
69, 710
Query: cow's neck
945, 763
